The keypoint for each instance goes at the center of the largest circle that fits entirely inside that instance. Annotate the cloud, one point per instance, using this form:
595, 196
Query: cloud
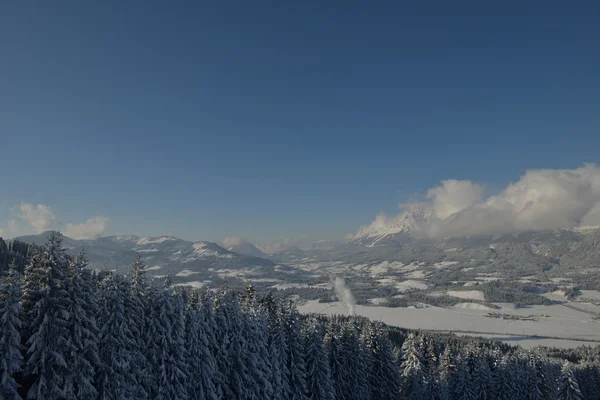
540, 199
40, 217
90, 229
231, 241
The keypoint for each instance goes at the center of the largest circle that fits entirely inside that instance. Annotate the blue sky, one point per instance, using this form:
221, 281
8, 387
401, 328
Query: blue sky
268, 120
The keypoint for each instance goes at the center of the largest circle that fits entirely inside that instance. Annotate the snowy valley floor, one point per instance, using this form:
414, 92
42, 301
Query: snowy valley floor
555, 325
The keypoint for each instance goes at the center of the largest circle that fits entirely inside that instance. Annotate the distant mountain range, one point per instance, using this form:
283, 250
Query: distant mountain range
555, 252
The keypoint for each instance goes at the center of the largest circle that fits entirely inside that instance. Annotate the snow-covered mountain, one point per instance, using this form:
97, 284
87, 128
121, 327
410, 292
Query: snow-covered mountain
247, 249
184, 260
409, 222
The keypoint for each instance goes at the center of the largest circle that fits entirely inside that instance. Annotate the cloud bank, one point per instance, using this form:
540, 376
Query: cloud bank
232, 241
541, 199
40, 218
90, 229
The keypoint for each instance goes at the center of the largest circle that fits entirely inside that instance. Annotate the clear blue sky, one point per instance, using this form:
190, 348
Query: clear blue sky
272, 119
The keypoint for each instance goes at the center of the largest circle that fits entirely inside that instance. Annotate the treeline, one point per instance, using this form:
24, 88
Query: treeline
13, 253
69, 333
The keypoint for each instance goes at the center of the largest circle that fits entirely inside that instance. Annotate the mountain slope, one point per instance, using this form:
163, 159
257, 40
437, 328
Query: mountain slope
184, 260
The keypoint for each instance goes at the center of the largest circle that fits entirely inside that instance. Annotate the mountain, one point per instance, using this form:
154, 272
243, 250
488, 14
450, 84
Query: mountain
247, 249
183, 260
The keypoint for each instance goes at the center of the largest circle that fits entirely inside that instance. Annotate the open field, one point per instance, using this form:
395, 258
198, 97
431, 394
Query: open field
555, 325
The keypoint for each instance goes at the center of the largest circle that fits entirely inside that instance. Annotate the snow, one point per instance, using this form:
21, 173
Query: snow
416, 275
590, 294
194, 284
186, 272
411, 284
557, 295
473, 306
377, 300
557, 321
445, 264
467, 294
203, 249
151, 240
153, 268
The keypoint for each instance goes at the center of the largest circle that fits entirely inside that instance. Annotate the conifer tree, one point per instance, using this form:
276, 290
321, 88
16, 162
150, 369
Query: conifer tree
296, 367
82, 309
568, 387
115, 342
201, 361
11, 358
49, 344
319, 384
412, 368
384, 378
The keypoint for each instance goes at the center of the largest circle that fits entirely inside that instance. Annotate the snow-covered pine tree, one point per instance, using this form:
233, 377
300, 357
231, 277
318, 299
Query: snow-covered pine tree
447, 373
35, 284
383, 377
217, 349
506, 387
11, 358
355, 363
412, 369
201, 361
568, 387
172, 379
538, 384
319, 384
295, 353
135, 311
82, 309
50, 343
431, 388
279, 353
115, 342
256, 338
333, 349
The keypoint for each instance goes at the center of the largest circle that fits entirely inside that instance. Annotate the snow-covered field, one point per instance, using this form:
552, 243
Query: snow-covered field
552, 321
410, 284
467, 294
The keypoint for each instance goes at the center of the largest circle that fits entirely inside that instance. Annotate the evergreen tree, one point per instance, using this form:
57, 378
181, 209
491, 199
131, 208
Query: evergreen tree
135, 307
319, 384
384, 379
82, 309
172, 378
568, 387
412, 368
115, 342
201, 361
49, 343
296, 367
506, 387
216, 326
333, 349
257, 360
11, 359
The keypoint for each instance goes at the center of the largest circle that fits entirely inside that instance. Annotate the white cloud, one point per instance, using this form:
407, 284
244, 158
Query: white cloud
231, 241
454, 196
40, 217
90, 229
540, 199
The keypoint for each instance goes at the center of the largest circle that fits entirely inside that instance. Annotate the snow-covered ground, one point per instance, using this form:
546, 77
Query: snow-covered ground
467, 294
410, 284
552, 321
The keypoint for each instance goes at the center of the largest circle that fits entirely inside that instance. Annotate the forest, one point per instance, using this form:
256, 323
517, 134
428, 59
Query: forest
68, 332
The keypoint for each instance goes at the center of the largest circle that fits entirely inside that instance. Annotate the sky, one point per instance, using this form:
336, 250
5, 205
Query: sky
267, 120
